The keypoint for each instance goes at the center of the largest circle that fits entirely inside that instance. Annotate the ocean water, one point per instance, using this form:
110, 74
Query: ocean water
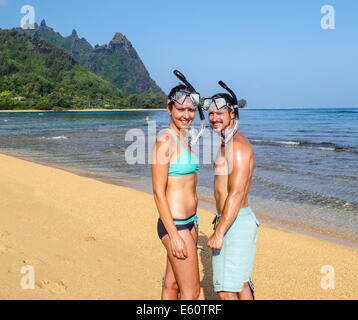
306, 159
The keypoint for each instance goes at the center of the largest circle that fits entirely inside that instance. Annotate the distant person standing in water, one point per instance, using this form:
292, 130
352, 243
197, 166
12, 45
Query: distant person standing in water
236, 227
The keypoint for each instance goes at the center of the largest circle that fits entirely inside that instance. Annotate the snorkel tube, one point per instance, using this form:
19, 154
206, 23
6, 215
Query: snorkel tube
228, 134
194, 139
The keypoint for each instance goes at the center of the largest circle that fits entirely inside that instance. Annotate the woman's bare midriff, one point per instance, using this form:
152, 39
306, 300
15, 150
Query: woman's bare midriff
181, 196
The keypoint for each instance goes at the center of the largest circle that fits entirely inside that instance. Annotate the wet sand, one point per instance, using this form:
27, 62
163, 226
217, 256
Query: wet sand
87, 239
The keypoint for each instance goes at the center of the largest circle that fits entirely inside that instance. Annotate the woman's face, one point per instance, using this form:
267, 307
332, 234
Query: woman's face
182, 115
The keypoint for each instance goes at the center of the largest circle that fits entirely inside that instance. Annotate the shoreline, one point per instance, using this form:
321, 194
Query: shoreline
204, 203
289, 226
81, 110
88, 239
164, 108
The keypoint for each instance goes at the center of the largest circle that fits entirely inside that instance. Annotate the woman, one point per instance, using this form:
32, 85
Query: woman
174, 181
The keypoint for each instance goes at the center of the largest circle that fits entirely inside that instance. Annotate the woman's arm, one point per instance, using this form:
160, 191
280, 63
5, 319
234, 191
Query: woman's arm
160, 165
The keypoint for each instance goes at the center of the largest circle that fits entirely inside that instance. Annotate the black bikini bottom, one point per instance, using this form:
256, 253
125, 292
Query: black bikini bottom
181, 224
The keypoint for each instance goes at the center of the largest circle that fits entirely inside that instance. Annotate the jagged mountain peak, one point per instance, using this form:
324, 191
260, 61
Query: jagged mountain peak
121, 44
117, 62
119, 37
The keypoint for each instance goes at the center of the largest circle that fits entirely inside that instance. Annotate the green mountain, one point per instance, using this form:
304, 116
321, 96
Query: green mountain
48, 76
118, 62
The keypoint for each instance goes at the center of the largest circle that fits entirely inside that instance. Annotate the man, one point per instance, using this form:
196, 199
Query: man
234, 239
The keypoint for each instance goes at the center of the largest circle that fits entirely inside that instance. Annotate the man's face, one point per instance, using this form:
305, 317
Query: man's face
220, 119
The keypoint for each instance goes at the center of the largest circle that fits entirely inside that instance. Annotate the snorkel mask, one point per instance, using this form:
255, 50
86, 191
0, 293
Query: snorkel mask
219, 104
180, 96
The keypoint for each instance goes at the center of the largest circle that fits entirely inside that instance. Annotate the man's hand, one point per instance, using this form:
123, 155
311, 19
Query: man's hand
216, 241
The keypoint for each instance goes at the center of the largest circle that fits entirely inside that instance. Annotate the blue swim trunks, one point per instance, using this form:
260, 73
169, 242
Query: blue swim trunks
232, 265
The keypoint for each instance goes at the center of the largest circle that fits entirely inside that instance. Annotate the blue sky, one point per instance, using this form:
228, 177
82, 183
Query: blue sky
272, 53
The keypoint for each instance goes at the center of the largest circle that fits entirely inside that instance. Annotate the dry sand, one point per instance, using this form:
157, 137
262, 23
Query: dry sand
87, 239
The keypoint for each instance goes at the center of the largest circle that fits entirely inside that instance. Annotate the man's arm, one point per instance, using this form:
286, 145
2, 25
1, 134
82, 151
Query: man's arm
220, 191
238, 179
220, 180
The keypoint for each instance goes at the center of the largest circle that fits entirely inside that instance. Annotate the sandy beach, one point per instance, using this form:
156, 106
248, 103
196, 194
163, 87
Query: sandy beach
86, 239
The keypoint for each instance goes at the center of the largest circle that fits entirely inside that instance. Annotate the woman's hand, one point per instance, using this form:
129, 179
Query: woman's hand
178, 247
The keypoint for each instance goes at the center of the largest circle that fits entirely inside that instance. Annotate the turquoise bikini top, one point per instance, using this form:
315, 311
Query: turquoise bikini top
185, 165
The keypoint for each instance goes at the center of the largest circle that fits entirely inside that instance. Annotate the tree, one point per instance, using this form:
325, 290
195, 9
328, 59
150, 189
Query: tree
6, 99
242, 103
56, 99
